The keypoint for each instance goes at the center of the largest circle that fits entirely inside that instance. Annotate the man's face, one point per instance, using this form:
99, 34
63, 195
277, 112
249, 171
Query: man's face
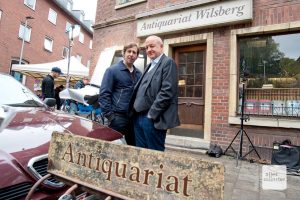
86, 81
55, 75
153, 47
130, 55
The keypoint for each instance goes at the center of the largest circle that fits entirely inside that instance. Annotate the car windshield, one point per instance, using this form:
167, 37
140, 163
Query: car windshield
13, 93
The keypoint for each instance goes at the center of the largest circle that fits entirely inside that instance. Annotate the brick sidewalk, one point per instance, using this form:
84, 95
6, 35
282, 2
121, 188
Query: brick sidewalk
244, 182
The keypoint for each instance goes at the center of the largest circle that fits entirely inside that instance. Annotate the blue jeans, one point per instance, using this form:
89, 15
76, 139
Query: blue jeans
146, 135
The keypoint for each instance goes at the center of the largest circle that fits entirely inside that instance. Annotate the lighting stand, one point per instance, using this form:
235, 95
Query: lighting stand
242, 132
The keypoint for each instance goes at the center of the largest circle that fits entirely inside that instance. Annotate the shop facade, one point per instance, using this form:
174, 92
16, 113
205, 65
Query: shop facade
219, 46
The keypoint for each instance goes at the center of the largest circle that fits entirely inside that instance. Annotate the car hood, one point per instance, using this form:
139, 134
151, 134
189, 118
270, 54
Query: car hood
28, 135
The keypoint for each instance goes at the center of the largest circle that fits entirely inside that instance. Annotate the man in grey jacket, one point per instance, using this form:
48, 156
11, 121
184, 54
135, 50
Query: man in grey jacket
154, 101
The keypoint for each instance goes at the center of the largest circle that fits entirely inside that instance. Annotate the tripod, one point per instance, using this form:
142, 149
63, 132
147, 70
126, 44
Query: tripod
242, 132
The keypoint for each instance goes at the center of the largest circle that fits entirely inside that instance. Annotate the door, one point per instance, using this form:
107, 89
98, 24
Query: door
191, 84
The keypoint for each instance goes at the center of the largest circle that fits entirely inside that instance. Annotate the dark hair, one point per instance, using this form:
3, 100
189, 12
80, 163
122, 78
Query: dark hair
130, 45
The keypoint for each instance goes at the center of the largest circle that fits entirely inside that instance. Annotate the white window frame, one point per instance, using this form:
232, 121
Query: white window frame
52, 16
50, 40
81, 37
27, 32
91, 44
65, 52
31, 6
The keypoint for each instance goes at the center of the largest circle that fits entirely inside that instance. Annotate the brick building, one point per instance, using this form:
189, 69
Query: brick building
46, 39
215, 43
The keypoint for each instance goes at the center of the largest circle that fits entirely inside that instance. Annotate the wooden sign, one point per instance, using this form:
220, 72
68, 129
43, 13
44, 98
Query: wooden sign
136, 173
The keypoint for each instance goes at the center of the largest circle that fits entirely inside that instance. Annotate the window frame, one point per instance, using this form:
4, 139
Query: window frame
51, 11
233, 117
91, 44
29, 6
81, 37
26, 29
47, 38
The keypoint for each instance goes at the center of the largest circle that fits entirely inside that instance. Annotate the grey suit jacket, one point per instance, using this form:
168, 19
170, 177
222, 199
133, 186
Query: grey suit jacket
161, 93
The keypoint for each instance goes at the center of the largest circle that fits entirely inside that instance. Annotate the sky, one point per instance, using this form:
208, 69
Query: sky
88, 6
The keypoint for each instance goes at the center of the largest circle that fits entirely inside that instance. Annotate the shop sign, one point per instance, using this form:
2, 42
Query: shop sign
225, 12
133, 172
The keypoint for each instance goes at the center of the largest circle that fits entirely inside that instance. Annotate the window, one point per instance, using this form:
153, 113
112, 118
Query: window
48, 44
17, 75
30, 3
81, 37
68, 26
124, 3
91, 44
0, 14
52, 16
65, 52
78, 57
24, 33
272, 66
88, 64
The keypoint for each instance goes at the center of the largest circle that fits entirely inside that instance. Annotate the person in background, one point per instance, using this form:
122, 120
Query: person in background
154, 100
81, 83
48, 83
58, 101
116, 89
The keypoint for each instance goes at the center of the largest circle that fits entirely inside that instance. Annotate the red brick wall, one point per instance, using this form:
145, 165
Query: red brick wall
14, 12
266, 12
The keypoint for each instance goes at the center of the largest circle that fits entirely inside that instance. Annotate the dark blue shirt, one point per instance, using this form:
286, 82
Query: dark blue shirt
117, 88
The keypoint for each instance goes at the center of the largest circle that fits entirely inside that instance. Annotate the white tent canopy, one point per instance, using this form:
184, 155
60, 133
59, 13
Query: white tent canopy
38, 71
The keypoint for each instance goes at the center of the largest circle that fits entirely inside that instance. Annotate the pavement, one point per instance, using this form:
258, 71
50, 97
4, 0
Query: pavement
243, 182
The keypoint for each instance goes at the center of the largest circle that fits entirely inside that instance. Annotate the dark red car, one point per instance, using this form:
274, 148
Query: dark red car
24, 142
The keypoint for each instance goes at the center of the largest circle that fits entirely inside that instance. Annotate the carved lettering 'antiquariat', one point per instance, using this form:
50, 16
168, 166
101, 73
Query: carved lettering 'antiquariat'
133, 173
126, 171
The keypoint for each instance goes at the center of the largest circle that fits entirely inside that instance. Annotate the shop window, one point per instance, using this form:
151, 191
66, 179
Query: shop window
270, 70
52, 16
48, 44
30, 3
17, 75
24, 33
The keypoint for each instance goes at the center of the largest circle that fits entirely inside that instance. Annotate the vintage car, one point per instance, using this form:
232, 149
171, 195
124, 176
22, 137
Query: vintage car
24, 141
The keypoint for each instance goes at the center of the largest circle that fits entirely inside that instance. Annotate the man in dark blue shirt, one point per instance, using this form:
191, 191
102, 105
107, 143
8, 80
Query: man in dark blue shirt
116, 90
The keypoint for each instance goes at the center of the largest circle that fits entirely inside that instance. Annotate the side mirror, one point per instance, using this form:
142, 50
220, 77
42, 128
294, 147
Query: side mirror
6, 115
50, 102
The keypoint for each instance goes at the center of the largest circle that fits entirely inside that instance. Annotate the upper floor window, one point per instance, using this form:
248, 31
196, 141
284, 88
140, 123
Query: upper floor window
48, 44
52, 16
24, 33
91, 44
68, 26
65, 52
124, 3
270, 70
81, 37
88, 64
0, 14
30, 3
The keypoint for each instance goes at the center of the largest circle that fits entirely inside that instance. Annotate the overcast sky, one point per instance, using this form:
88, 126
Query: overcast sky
88, 6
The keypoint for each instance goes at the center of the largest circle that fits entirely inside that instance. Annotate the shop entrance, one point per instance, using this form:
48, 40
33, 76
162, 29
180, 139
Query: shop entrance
191, 84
